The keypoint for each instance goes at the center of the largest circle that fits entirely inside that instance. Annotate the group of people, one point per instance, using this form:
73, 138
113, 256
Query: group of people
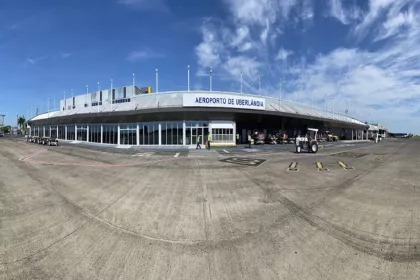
207, 142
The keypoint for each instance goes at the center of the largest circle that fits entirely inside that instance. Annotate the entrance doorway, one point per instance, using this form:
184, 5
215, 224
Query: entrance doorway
195, 129
199, 131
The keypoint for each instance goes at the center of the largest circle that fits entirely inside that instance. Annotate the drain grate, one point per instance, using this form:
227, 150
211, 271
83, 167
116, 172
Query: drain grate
244, 161
350, 155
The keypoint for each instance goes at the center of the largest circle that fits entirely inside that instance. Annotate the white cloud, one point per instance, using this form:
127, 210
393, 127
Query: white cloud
65, 55
209, 50
283, 54
143, 55
380, 79
156, 5
346, 15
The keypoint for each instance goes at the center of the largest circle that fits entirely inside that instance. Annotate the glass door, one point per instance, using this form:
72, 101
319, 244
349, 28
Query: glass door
200, 132
194, 136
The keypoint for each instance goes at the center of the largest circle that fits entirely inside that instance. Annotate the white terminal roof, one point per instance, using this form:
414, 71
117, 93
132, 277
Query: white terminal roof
174, 99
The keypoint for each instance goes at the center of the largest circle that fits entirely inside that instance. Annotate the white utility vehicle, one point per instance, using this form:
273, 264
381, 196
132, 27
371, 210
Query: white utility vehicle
308, 142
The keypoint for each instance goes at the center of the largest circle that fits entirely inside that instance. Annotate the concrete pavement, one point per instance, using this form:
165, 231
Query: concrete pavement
74, 213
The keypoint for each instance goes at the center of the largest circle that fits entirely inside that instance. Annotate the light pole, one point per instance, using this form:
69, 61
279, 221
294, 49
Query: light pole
112, 94
87, 92
241, 81
134, 84
157, 81
99, 95
188, 89
210, 79
325, 101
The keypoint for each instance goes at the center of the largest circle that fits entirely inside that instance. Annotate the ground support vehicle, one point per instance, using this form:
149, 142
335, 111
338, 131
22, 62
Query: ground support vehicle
308, 142
331, 137
259, 138
271, 139
49, 141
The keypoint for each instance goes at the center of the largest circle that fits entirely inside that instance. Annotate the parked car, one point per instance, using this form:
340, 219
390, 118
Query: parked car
1, 133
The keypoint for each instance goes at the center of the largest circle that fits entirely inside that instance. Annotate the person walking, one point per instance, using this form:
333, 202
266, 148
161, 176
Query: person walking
208, 141
249, 141
237, 138
198, 142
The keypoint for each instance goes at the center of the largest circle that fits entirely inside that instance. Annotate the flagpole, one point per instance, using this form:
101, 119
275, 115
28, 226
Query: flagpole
188, 78
134, 83
99, 95
87, 92
112, 94
241, 81
157, 82
210, 78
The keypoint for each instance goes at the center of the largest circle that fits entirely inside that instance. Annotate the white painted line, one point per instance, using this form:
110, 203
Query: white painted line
226, 151
176, 155
123, 147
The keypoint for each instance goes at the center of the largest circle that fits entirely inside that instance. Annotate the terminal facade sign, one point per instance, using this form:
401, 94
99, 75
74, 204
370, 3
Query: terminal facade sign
223, 100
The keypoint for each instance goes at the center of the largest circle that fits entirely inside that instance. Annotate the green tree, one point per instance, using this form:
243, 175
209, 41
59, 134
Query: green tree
22, 123
6, 129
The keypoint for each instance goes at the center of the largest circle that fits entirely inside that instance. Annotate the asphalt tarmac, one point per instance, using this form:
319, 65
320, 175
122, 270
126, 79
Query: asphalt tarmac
351, 211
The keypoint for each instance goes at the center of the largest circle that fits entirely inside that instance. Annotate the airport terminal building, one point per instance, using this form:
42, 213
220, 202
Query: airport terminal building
134, 116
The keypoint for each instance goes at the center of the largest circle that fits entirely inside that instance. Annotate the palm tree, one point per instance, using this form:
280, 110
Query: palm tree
22, 122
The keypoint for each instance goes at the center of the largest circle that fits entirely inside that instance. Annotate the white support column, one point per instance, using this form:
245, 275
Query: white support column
75, 132
138, 135
160, 134
50, 131
119, 135
56, 132
87, 133
43, 131
65, 132
184, 133
362, 135
234, 132
352, 134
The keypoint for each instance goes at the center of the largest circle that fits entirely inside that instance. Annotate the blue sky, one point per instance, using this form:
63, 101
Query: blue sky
362, 56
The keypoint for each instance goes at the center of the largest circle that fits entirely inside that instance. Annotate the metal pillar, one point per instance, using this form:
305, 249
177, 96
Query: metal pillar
184, 133
65, 132
102, 134
87, 132
160, 134
138, 135
118, 141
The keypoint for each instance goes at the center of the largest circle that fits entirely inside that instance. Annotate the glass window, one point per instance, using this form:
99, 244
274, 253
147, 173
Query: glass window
141, 134
146, 133
156, 134
163, 133
70, 132
128, 134
110, 134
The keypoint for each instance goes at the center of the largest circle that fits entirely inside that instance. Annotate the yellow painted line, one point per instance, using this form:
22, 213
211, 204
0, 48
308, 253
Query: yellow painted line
319, 165
342, 164
379, 158
293, 167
